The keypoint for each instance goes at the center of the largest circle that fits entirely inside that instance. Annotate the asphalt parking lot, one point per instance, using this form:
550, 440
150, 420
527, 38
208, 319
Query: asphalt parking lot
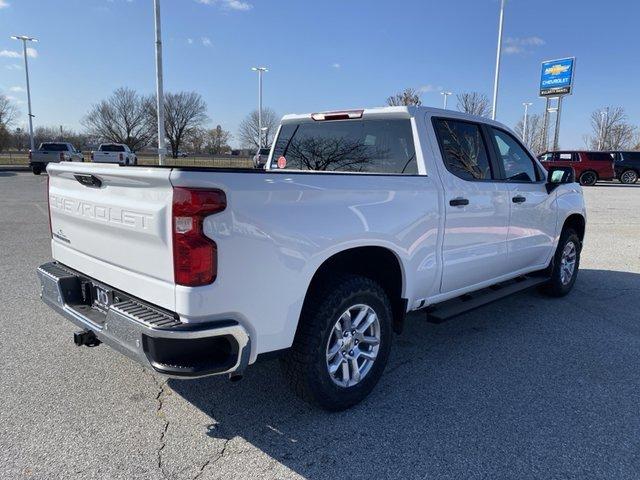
529, 387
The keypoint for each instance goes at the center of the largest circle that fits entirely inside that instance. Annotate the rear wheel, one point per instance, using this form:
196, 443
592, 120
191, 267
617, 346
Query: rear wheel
588, 178
36, 169
564, 268
629, 176
342, 344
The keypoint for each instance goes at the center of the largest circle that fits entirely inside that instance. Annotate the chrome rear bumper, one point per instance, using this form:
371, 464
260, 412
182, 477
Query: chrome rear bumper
149, 335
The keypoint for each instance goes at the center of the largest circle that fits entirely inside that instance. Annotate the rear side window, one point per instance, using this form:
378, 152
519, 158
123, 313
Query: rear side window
364, 146
600, 157
111, 148
463, 149
264, 151
54, 147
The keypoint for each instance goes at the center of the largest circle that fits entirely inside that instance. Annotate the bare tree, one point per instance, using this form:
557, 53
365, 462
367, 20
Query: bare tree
195, 140
409, 96
8, 114
184, 112
121, 118
610, 130
248, 132
218, 140
535, 133
474, 103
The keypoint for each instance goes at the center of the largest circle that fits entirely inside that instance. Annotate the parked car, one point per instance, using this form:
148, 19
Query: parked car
182, 154
114, 153
627, 166
358, 218
589, 167
52, 152
261, 157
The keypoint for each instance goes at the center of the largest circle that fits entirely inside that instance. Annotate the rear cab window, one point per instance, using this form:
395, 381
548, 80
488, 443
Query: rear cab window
111, 148
358, 146
54, 147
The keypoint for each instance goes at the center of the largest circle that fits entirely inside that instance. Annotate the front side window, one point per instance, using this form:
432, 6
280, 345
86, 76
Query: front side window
463, 149
364, 146
518, 165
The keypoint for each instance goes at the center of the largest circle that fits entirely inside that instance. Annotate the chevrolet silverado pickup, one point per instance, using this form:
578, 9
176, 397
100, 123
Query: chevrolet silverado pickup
359, 217
114, 153
49, 152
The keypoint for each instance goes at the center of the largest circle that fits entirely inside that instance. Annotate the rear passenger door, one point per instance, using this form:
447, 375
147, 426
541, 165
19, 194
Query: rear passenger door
476, 206
532, 222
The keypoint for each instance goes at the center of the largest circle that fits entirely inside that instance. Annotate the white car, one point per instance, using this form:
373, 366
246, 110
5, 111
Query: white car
360, 217
114, 153
52, 152
261, 157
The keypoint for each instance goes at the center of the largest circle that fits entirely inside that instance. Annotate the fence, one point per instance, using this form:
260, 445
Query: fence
226, 161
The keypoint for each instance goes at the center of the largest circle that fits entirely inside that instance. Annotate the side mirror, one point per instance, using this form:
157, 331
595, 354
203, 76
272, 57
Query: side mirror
558, 176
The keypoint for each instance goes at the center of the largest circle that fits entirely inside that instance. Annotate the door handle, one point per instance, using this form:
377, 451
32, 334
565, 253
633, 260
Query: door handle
519, 199
459, 202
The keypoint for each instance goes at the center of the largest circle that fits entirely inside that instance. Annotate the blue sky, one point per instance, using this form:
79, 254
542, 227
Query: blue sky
322, 55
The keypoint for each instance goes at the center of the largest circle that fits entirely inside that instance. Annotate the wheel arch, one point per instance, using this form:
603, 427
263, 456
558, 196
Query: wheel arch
380, 264
577, 222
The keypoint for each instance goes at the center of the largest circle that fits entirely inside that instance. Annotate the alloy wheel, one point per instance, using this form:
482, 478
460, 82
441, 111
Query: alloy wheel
353, 345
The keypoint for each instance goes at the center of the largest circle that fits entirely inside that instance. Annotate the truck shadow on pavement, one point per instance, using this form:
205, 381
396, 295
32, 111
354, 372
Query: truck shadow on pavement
529, 386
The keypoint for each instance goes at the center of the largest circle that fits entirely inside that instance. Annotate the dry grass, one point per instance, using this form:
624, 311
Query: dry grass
22, 158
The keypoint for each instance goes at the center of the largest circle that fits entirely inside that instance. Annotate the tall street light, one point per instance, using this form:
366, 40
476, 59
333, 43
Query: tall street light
524, 121
496, 79
445, 94
260, 71
159, 86
26, 39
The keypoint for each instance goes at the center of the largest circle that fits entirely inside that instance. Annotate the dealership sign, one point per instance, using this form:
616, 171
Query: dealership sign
556, 77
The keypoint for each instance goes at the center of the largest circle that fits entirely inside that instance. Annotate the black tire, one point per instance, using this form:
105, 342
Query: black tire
305, 365
556, 287
36, 169
629, 177
588, 178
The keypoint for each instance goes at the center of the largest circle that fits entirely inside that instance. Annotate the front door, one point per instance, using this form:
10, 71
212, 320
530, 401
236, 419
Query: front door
532, 223
476, 207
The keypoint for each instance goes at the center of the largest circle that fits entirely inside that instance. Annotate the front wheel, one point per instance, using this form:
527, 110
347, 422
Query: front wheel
629, 177
565, 264
342, 344
588, 179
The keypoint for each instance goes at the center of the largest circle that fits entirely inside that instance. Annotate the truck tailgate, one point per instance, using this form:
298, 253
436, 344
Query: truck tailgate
113, 223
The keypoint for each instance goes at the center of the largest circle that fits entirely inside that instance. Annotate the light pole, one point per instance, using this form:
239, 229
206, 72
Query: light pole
260, 71
26, 39
496, 79
445, 95
603, 115
524, 121
159, 86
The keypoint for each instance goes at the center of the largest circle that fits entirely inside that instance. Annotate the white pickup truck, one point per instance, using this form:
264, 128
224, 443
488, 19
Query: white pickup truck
52, 152
114, 153
359, 217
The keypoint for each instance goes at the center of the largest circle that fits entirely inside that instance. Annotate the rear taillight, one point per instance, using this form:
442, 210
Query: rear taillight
195, 256
92, 156
49, 208
30, 155
121, 157
61, 157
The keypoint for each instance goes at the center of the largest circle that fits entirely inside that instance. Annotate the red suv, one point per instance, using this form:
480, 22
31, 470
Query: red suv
589, 167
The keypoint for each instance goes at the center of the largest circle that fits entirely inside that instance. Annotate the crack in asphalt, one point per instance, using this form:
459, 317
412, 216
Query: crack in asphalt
160, 414
212, 461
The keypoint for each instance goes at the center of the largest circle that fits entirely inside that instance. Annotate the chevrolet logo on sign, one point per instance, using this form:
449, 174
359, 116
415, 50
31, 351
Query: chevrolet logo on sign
556, 69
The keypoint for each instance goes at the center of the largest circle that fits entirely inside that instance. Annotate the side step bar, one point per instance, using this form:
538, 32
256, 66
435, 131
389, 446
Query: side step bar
451, 308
